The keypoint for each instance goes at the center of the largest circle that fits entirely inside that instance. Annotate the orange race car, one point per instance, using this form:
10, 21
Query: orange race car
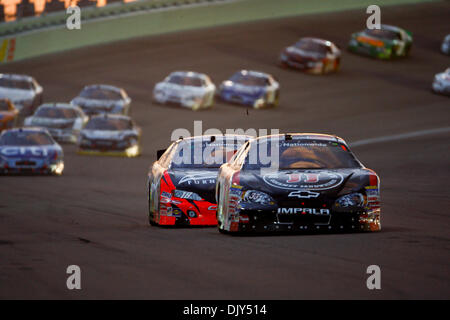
8, 114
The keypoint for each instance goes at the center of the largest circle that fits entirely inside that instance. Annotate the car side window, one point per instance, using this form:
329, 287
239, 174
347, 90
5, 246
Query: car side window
166, 158
240, 158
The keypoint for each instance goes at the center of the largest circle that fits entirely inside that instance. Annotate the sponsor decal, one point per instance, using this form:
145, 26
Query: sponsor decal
212, 208
21, 151
166, 194
199, 178
176, 212
314, 211
304, 180
304, 194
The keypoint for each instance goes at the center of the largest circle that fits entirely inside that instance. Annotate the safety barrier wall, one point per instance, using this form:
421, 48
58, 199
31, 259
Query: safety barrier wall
142, 18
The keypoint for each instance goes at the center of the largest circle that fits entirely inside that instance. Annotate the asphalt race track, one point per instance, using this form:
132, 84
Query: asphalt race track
95, 215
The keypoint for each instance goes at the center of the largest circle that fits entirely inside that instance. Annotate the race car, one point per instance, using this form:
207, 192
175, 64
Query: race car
101, 98
63, 120
23, 91
251, 88
8, 114
297, 182
111, 135
30, 151
384, 43
187, 89
312, 55
441, 83
445, 46
181, 182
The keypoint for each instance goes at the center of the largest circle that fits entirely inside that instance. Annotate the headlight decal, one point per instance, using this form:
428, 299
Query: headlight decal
258, 197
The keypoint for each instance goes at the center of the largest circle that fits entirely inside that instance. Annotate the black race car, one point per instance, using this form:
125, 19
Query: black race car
297, 182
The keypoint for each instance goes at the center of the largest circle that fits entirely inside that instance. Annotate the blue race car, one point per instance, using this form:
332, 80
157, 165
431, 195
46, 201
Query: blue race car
30, 151
251, 88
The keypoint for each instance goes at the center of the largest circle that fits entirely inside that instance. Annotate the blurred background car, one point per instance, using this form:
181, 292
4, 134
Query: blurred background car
384, 43
101, 98
251, 88
114, 135
23, 91
441, 83
63, 120
187, 89
312, 55
445, 46
30, 151
8, 114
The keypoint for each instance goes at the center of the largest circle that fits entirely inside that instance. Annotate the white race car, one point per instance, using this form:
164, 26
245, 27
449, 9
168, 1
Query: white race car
441, 83
23, 91
62, 120
102, 98
185, 88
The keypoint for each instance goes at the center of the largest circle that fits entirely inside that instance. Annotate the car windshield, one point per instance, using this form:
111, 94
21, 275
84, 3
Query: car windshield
186, 81
383, 34
25, 138
311, 46
99, 93
249, 80
4, 105
299, 154
109, 124
15, 84
56, 113
206, 153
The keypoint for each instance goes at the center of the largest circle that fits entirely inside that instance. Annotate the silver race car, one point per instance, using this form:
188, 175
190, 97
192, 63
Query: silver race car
441, 83
23, 91
112, 135
63, 120
102, 98
187, 89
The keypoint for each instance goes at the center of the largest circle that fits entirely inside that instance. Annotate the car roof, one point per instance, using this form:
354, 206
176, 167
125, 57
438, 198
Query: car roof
14, 76
317, 40
306, 136
203, 137
103, 86
58, 105
253, 73
111, 116
189, 74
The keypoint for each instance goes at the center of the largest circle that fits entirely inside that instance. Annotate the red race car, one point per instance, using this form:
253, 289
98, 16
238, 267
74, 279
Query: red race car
181, 183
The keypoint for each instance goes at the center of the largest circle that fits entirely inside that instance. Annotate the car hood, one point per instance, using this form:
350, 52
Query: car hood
200, 181
304, 184
254, 91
